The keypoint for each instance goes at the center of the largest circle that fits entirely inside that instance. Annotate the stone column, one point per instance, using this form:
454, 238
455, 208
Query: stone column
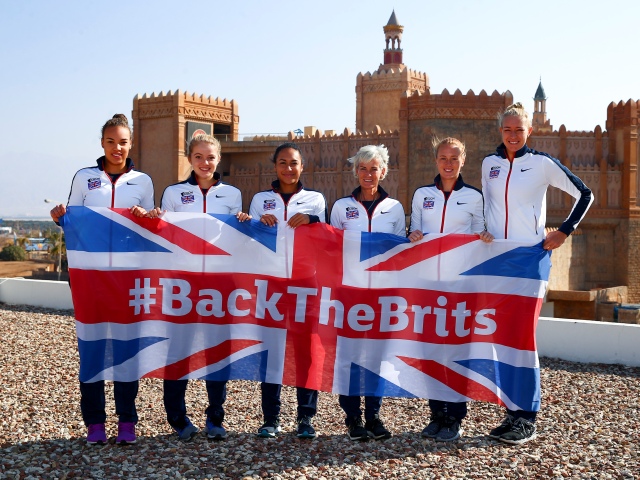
604, 169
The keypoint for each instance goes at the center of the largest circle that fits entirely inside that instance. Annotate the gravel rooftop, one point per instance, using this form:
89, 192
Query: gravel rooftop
588, 426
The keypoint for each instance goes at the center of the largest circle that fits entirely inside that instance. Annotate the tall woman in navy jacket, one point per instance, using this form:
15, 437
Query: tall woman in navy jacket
368, 209
114, 183
515, 180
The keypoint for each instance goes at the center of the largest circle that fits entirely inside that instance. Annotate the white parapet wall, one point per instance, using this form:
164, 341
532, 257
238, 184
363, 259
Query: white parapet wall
37, 293
574, 340
589, 342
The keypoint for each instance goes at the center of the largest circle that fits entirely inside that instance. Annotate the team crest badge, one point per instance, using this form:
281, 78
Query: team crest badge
494, 172
428, 203
93, 183
269, 204
187, 197
352, 213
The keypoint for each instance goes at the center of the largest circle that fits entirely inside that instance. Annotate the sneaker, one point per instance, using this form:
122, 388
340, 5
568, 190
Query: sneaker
96, 434
356, 429
126, 433
270, 429
187, 431
305, 429
431, 430
376, 429
521, 431
450, 430
215, 430
503, 428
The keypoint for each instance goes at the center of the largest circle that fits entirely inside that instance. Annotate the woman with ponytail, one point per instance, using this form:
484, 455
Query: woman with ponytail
112, 182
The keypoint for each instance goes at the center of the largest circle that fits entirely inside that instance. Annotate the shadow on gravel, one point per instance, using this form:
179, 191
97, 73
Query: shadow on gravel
242, 454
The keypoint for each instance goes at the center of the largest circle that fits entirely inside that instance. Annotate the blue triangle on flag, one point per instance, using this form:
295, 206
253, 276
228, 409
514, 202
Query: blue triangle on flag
517, 263
376, 243
98, 355
261, 233
520, 384
364, 382
251, 367
80, 228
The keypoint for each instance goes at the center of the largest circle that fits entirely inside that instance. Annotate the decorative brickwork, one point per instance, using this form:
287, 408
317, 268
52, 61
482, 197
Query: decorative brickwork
326, 168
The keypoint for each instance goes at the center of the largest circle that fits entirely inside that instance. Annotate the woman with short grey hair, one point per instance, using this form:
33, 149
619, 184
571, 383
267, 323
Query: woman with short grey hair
368, 209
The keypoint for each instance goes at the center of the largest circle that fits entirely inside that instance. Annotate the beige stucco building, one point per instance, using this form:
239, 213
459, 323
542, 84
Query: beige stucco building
396, 107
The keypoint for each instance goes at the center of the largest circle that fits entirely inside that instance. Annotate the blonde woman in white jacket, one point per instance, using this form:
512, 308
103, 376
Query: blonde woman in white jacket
448, 205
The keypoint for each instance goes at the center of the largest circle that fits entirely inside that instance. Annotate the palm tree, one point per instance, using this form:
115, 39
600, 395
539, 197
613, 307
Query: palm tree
58, 246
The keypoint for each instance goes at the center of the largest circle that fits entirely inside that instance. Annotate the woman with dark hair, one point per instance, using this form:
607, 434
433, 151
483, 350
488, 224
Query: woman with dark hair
114, 183
290, 203
368, 209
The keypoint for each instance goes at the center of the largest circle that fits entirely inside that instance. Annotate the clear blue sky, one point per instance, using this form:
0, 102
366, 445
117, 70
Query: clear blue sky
68, 66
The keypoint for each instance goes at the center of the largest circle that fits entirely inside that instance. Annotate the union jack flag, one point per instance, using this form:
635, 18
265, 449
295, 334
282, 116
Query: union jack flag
205, 296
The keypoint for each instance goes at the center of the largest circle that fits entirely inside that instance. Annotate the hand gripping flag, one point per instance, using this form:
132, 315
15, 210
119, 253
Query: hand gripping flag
205, 296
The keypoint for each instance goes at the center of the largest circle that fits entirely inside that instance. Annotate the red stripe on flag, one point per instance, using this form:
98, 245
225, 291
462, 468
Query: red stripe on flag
311, 348
201, 359
174, 234
453, 380
422, 252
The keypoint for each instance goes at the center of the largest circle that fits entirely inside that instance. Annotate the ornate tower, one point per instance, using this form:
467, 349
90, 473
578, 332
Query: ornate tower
393, 37
378, 94
164, 124
540, 122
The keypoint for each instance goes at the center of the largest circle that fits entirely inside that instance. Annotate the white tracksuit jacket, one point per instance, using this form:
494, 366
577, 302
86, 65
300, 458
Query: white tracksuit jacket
516, 193
387, 216
462, 212
93, 187
302, 201
187, 196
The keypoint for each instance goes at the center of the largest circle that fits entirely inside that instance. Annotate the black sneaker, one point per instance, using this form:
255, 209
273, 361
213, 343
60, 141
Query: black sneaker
521, 431
375, 428
270, 429
431, 430
450, 430
305, 429
503, 428
356, 429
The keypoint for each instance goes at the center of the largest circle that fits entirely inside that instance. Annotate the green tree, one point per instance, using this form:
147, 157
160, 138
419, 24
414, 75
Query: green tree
13, 253
58, 250
22, 242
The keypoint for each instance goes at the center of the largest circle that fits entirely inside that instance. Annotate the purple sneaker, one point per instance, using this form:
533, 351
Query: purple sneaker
96, 434
126, 433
